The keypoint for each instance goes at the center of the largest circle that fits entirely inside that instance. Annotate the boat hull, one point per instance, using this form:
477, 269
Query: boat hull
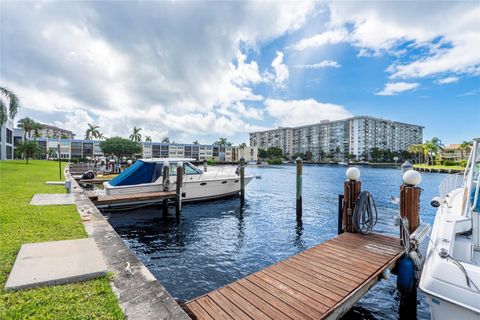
441, 309
192, 190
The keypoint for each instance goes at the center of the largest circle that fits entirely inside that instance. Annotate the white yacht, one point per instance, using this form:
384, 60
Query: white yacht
146, 176
451, 274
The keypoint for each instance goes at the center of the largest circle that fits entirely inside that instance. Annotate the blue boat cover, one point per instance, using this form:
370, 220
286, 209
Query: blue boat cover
139, 172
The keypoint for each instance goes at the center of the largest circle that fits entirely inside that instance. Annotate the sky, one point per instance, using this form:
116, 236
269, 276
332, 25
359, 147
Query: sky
194, 70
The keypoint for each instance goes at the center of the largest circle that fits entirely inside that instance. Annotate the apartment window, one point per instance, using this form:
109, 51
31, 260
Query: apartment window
9, 136
9, 152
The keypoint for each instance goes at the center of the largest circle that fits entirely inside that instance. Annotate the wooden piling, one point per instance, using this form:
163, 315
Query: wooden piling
242, 181
178, 200
165, 184
205, 165
351, 190
299, 163
409, 208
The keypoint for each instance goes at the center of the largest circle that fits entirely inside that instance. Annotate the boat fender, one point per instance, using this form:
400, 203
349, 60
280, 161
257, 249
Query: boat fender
417, 260
386, 274
435, 202
406, 274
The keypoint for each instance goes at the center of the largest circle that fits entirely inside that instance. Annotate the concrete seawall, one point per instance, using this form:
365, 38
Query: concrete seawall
139, 293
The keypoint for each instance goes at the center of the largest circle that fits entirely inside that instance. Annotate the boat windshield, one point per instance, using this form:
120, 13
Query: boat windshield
188, 169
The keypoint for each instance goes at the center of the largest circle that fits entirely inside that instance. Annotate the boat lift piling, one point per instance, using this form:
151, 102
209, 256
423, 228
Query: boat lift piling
166, 184
299, 199
179, 189
351, 189
242, 181
409, 209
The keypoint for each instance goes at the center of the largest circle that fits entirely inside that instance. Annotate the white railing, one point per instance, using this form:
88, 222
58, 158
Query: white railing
450, 183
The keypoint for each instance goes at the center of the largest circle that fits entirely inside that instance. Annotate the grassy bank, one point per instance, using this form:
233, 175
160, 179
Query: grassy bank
439, 167
21, 223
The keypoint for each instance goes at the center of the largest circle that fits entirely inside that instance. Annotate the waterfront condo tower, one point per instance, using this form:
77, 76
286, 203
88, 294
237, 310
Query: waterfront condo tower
352, 137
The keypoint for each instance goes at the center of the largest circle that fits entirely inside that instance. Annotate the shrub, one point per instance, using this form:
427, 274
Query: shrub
275, 161
211, 162
463, 163
449, 163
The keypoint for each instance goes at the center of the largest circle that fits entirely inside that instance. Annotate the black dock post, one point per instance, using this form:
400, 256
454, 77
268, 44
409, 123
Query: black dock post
165, 183
205, 165
242, 181
299, 163
340, 214
178, 200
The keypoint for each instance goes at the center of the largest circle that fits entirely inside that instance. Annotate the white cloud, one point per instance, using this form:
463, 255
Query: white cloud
328, 37
175, 60
447, 80
281, 70
445, 35
302, 112
393, 88
320, 65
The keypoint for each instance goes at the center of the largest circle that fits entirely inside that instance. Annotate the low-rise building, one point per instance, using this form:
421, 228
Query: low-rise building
83, 149
455, 152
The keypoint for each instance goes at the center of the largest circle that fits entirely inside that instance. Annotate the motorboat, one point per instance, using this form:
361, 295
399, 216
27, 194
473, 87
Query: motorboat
451, 273
342, 163
145, 175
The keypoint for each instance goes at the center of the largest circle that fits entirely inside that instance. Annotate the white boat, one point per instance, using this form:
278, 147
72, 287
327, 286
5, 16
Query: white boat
146, 176
451, 274
342, 163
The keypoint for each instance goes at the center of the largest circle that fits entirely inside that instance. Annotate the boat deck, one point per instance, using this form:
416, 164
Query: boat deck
323, 282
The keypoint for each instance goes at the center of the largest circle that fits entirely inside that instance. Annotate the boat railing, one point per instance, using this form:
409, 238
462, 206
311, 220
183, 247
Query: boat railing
450, 183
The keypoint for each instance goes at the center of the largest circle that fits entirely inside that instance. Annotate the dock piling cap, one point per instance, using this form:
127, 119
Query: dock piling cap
353, 173
412, 178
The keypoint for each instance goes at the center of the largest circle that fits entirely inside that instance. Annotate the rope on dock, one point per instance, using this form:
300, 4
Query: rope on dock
363, 214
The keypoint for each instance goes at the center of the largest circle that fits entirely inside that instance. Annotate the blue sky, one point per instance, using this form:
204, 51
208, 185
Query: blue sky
200, 70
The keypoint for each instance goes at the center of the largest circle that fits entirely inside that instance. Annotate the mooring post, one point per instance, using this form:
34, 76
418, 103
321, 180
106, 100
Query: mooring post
205, 165
165, 184
340, 214
410, 209
178, 201
242, 181
351, 189
299, 163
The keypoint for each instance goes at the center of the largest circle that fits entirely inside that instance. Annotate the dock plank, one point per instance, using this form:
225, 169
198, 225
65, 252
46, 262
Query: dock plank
322, 282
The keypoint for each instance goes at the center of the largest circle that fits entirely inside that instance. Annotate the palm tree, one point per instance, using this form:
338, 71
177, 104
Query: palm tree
92, 132
148, 139
465, 146
195, 142
28, 149
36, 130
136, 136
13, 105
100, 136
222, 142
27, 125
165, 140
433, 147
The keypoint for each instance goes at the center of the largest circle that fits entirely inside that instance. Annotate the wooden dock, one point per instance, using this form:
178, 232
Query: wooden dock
323, 282
104, 201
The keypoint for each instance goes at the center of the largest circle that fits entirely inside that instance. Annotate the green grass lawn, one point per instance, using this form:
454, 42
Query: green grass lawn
439, 167
21, 223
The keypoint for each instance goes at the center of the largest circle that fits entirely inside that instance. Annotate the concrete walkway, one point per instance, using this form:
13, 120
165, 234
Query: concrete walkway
48, 199
56, 262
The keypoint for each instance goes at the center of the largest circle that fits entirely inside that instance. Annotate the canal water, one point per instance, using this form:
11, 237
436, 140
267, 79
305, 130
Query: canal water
215, 243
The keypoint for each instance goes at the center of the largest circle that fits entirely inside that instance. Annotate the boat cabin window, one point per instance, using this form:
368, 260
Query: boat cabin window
188, 169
